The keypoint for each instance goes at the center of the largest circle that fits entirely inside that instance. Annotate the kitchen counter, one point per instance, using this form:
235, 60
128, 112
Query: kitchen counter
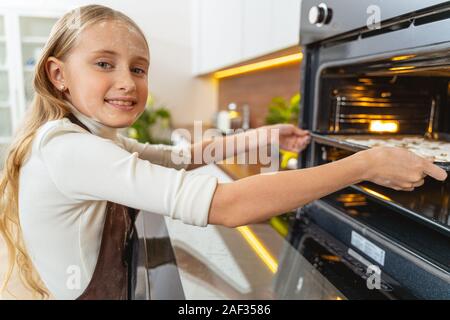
215, 262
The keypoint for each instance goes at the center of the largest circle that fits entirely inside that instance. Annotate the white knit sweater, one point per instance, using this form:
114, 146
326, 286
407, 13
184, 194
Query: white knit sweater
67, 181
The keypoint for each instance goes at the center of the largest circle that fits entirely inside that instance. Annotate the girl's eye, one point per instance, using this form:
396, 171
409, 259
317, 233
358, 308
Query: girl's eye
104, 65
138, 70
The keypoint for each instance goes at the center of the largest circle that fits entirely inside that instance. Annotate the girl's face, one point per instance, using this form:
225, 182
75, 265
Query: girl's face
106, 73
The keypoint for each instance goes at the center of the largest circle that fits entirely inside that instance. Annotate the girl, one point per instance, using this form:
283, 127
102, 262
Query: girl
70, 180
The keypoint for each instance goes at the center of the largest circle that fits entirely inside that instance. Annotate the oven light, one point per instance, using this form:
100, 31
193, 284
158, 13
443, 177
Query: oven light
383, 126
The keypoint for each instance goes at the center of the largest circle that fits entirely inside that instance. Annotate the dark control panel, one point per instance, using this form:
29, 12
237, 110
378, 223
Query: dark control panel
322, 19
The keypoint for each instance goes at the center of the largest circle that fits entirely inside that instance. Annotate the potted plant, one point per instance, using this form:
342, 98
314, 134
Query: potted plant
153, 125
282, 111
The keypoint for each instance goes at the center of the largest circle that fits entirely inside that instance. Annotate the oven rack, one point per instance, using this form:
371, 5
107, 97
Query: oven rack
338, 141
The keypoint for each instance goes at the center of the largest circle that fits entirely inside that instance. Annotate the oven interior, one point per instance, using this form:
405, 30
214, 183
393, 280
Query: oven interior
403, 95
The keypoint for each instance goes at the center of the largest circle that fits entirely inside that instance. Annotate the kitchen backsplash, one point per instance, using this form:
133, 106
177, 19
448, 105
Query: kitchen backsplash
258, 88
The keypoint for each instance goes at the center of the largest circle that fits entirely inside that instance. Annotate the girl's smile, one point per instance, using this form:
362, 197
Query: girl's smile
122, 103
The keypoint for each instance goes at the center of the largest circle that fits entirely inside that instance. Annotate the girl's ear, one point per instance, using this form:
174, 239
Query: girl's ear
54, 68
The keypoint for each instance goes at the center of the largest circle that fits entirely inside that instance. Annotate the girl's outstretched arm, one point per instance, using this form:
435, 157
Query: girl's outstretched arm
260, 197
289, 137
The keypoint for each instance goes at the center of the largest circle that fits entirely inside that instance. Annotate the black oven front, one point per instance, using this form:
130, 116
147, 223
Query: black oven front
387, 80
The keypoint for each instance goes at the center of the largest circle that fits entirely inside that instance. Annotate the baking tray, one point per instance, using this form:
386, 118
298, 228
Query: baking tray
338, 141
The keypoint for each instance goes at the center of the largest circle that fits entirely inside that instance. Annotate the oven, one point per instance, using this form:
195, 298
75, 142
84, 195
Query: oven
376, 73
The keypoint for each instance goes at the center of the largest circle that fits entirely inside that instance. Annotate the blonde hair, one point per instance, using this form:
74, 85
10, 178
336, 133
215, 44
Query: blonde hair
48, 104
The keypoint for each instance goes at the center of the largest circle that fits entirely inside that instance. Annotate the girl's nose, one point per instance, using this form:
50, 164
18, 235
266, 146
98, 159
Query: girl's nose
125, 81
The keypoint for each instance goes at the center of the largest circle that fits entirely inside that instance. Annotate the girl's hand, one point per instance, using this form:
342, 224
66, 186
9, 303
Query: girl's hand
291, 138
399, 169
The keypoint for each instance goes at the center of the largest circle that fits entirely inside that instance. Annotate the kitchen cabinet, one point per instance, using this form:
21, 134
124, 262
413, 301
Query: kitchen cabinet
285, 24
232, 31
5, 101
256, 30
22, 36
268, 26
219, 31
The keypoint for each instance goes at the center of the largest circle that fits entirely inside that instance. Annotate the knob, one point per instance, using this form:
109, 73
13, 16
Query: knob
320, 15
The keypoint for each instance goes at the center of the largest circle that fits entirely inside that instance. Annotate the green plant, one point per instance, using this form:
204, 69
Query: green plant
282, 111
153, 125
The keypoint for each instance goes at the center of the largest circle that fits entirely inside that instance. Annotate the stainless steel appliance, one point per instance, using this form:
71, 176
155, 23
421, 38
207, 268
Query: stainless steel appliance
375, 70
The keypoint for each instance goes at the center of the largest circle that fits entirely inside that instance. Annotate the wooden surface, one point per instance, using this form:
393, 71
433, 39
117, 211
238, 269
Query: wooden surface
239, 171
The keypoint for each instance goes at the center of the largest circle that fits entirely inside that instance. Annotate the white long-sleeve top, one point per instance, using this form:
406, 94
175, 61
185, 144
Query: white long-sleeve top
66, 182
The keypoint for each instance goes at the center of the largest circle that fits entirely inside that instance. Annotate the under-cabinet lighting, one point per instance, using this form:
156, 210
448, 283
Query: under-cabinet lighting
266, 64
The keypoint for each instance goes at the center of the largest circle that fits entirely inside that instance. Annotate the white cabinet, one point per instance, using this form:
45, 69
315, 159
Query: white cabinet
34, 32
269, 25
5, 91
219, 32
22, 36
256, 31
285, 23
232, 31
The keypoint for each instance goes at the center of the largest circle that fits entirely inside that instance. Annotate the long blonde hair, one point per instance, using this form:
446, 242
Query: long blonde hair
48, 104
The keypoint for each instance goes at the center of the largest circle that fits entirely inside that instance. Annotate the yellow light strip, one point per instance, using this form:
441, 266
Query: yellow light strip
275, 62
405, 57
402, 68
376, 194
259, 248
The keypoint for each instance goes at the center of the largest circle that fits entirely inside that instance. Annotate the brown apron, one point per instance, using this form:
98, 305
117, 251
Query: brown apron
114, 273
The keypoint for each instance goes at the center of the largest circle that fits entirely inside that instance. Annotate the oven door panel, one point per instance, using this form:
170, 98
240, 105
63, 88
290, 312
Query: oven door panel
327, 256
425, 277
